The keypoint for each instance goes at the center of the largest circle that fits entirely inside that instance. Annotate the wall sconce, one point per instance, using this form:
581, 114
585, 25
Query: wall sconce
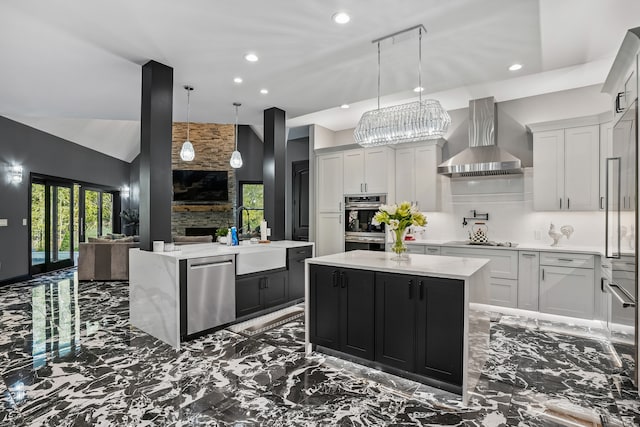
125, 192
15, 173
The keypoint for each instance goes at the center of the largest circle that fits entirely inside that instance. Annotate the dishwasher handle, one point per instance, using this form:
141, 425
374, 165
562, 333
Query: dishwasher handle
210, 264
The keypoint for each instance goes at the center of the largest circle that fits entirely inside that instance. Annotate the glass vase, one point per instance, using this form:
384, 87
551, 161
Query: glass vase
398, 246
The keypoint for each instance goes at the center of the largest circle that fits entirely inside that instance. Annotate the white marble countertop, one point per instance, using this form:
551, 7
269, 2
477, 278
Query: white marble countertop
521, 247
200, 250
422, 265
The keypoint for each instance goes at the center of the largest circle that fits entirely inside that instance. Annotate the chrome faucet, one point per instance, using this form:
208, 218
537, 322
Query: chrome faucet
241, 229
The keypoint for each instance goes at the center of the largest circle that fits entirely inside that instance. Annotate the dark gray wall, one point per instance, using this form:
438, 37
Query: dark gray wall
273, 174
297, 149
252, 150
42, 153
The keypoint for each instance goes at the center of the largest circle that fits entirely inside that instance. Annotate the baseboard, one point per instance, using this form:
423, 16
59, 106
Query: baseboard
16, 279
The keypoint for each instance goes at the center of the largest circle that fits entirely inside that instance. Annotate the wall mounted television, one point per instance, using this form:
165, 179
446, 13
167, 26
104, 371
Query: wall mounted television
200, 186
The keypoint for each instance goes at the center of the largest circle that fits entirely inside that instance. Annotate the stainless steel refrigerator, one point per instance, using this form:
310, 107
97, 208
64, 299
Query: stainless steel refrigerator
621, 233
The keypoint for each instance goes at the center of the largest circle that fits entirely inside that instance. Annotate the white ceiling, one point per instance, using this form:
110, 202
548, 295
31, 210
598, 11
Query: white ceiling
73, 68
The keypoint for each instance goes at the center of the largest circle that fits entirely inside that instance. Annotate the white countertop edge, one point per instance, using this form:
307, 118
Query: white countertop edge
521, 247
199, 250
422, 265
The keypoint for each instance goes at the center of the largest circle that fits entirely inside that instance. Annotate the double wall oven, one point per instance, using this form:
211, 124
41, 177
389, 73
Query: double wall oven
359, 231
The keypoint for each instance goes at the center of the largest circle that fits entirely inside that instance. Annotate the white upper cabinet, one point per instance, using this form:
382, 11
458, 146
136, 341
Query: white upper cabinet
417, 180
368, 171
330, 186
566, 169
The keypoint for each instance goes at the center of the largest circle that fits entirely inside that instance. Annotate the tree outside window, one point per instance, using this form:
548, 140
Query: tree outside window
253, 203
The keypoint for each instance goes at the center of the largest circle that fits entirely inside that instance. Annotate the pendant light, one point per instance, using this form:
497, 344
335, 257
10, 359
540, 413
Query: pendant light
187, 153
410, 122
236, 157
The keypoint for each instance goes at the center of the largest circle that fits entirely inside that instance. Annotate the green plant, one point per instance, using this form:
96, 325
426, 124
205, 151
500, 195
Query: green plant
130, 216
222, 232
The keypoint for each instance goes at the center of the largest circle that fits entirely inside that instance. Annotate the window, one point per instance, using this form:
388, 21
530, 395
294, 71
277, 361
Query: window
251, 210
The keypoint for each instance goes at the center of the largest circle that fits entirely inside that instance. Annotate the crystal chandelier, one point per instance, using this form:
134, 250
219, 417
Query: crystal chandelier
411, 122
187, 153
236, 157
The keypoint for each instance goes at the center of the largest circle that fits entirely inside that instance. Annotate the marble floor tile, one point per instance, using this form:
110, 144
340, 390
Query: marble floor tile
68, 356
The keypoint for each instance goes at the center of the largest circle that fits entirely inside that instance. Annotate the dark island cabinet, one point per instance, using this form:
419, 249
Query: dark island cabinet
440, 329
257, 292
419, 325
395, 320
295, 264
342, 309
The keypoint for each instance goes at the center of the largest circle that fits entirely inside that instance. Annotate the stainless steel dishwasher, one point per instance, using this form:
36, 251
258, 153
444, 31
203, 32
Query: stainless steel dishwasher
211, 292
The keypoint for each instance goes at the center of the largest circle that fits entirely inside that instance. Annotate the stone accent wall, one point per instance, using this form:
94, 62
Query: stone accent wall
213, 144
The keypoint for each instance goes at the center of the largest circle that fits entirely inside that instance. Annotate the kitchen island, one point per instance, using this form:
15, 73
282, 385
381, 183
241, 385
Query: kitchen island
179, 294
422, 318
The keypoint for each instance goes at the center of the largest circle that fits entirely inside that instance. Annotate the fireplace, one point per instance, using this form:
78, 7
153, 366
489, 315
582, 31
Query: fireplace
201, 231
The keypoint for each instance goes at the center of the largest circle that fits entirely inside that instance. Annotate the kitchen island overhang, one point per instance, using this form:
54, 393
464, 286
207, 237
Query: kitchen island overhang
363, 305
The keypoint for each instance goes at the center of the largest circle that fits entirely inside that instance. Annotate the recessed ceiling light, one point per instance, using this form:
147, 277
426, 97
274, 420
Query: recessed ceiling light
418, 89
237, 79
341, 17
344, 106
251, 57
515, 67
264, 91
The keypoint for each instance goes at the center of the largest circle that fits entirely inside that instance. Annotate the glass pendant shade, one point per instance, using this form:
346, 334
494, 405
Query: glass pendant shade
411, 122
236, 160
187, 153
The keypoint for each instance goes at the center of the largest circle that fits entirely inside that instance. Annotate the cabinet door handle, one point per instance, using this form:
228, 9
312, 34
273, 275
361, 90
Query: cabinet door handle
543, 274
565, 259
339, 206
560, 202
528, 255
410, 289
339, 218
366, 187
343, 280
601, 202
361, 189
568, 203
335, 279
619, 108
421, 289
602, 284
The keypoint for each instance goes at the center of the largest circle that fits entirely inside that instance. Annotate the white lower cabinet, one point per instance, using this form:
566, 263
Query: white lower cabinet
416, 249
528, 280
330, 236
567, 291
503, 280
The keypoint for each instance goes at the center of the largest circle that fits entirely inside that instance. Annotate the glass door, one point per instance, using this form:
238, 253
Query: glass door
96, 210
51, 225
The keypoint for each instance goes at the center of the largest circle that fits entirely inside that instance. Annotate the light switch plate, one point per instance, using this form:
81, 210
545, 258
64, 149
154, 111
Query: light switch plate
24, 221
4, 222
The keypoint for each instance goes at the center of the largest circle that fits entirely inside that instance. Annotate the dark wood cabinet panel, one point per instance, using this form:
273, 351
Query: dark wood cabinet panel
440, 329
357, 311
295, 263
411, 323
248, 298
275, 289
324, 309
395, 320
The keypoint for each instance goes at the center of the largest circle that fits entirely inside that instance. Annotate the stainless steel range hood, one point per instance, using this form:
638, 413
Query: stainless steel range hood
483, 157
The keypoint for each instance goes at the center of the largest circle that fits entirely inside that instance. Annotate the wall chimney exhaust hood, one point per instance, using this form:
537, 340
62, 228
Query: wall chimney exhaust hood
483, 157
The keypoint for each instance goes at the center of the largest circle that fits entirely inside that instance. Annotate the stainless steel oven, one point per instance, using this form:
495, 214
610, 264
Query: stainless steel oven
359, 231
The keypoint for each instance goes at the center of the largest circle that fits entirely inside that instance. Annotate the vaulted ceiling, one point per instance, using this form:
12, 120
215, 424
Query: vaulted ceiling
73, 68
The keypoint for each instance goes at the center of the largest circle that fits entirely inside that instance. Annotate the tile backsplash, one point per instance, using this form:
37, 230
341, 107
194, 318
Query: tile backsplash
509, 202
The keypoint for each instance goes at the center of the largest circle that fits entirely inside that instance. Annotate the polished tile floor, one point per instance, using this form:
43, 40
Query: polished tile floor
69, 357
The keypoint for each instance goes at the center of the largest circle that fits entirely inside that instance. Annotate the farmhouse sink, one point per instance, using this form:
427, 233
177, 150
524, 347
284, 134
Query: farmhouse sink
256, 258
